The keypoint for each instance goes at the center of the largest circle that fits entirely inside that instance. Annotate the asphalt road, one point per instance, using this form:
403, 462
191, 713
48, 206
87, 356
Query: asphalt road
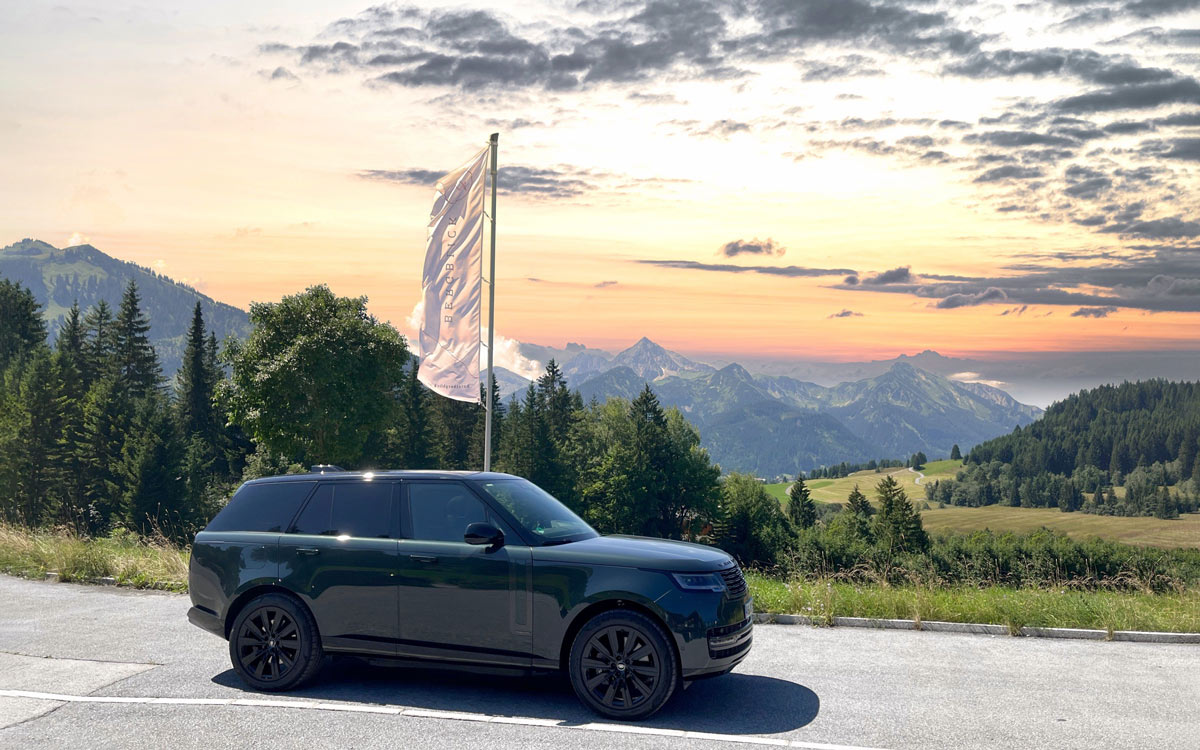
89, 667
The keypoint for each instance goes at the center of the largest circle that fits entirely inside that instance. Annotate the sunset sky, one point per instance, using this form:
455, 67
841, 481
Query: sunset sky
836, 179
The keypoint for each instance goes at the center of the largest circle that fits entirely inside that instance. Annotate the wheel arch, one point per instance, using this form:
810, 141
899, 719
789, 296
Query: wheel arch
608, 605
252, 593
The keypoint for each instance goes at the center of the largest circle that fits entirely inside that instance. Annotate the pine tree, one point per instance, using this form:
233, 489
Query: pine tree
898, 525
858, 504
194, 385
106, 415
413, 434
955, 453
70, 361
100, 348
21, 326
151, 469
802, 511
475, 457
36, 454
136, 361
652, 452
859, 511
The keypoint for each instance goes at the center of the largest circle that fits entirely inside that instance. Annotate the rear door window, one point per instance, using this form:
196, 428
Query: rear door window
362, 509
268, 506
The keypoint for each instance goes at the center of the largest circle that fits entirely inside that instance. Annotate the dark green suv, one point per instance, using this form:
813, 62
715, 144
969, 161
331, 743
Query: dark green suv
461, 568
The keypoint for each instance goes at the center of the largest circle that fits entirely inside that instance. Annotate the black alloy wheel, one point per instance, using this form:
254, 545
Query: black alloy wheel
274, 644
622, 665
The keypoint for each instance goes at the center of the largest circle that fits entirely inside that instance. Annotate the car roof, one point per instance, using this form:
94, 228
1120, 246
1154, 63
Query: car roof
325, 476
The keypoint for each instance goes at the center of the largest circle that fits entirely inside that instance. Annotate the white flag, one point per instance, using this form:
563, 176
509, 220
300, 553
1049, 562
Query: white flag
452, 284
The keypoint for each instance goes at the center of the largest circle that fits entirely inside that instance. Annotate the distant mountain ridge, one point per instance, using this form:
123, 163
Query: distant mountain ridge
775, 424
60, 276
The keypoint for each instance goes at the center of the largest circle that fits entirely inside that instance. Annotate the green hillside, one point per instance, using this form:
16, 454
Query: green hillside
59, 277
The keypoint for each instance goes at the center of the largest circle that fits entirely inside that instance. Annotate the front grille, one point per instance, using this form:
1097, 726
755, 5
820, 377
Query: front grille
734, 581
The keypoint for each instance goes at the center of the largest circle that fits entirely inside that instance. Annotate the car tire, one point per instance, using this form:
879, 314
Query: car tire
622, 665
274, 644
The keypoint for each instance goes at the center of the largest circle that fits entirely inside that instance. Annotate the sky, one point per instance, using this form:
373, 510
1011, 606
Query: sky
821, 179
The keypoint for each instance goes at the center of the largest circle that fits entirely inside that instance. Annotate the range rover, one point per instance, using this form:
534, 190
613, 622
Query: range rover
460, 568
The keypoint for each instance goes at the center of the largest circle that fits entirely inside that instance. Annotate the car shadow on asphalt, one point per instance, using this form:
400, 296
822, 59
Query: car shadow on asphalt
731, 704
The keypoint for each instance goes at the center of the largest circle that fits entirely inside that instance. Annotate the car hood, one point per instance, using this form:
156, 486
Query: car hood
637, 552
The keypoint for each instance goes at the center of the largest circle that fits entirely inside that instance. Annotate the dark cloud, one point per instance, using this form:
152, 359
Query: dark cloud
1151, 279
1018, 139
1159, 35
1187, 149
958, 299
605, 284
514, 124
1086, 65
845, 314
1094, 312
279, 74
1139, 96
751, 247
1015, 311
1009, 172
1171, 227
512, 179
850, 281
624, 42
789, 271
899, 275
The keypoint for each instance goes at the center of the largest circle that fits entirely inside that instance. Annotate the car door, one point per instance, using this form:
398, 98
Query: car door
340, 556
460, 601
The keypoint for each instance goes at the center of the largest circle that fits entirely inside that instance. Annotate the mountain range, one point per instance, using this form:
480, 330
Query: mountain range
768, 423
776, 424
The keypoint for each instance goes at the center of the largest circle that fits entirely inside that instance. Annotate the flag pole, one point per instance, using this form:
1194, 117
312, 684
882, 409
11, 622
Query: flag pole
494, 146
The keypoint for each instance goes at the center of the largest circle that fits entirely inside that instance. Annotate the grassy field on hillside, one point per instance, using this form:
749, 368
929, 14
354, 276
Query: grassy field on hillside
836, 490
1181, 532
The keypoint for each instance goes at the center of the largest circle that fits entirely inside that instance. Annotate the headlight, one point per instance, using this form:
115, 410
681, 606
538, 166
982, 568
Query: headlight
699, 581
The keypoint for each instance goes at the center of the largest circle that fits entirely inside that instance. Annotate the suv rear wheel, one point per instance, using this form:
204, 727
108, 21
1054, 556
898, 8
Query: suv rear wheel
622, 666
274, 644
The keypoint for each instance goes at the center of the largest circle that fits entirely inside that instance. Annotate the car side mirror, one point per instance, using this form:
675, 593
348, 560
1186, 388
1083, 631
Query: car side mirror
484, 533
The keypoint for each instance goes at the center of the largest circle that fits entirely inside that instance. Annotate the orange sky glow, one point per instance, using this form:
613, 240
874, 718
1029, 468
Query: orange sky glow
169, 137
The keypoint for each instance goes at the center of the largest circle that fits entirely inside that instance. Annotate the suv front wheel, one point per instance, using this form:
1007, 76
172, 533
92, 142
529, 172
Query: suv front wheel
622, 666
274, 644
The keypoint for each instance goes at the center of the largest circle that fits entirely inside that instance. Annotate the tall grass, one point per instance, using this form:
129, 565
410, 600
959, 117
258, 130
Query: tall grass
822, 600
126, 557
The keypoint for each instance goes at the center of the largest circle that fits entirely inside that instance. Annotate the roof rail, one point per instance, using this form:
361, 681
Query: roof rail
322, 468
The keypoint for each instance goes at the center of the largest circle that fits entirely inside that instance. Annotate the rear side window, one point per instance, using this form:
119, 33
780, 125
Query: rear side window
261, 507
362, 509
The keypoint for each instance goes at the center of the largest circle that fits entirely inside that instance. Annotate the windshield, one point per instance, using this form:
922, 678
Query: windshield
546, 519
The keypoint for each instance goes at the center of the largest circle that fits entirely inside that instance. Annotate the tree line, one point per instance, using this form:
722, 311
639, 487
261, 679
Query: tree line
1128, 450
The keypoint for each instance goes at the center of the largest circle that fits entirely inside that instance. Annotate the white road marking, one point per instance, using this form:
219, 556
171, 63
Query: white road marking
423, 713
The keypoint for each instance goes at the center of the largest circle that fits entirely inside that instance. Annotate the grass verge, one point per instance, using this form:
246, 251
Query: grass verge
129, 559
823, 600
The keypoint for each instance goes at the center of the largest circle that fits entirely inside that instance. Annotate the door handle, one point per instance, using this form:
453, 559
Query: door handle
307, 551
430, 559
